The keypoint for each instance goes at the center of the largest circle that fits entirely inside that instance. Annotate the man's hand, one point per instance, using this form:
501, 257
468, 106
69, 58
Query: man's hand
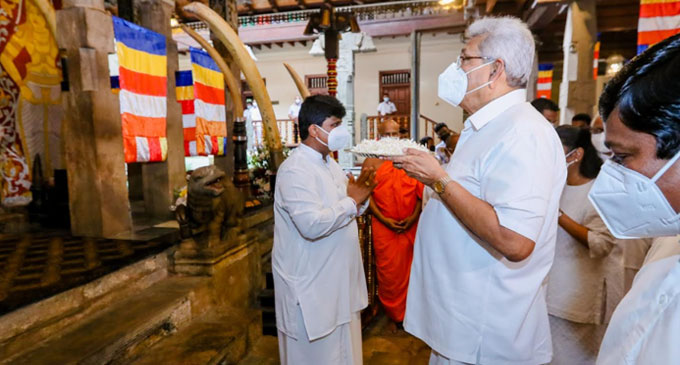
421, 166
408, 222
360, 189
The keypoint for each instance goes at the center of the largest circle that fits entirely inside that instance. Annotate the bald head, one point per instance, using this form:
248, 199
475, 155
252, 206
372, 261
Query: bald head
388, 128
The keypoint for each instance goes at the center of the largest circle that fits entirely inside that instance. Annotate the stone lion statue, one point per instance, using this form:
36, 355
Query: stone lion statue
213, 204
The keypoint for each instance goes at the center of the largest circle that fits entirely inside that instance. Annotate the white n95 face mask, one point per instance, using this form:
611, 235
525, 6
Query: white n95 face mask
338, 137
631, 204
453, 83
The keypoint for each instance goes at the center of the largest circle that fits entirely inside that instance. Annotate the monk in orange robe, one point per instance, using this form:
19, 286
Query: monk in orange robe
395, 205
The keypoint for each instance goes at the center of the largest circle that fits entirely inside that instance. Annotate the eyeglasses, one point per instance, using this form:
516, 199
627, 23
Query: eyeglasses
461, 59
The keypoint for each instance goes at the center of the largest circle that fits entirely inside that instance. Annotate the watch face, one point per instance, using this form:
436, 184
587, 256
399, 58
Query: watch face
438, 188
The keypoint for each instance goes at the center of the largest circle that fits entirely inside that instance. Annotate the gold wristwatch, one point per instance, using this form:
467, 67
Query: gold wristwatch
440, 184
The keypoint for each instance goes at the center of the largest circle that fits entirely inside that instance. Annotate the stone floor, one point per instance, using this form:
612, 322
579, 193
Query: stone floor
380, 347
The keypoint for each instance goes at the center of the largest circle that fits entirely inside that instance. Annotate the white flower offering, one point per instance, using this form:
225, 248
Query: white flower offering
386, 147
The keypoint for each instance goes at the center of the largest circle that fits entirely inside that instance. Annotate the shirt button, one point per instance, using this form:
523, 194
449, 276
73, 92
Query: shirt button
663, 299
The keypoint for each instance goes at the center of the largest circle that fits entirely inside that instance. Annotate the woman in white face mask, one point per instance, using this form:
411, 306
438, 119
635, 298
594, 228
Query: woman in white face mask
586, 279
638, 195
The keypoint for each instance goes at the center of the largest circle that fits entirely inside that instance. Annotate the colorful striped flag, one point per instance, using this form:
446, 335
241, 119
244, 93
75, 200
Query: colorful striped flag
211, 121
596, 59
143, 91
185, 96
659, 19
544, 83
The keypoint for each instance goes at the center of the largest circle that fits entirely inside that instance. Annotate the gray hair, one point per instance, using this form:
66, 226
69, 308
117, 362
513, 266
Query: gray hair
509, 39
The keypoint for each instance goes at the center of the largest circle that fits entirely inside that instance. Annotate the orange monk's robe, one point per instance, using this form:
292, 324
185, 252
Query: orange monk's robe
396, 195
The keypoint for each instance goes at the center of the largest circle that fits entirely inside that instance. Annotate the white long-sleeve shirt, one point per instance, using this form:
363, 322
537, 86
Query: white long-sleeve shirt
645, 328
316, 259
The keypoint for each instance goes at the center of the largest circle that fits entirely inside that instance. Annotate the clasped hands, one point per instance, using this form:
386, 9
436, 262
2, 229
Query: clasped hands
360, 188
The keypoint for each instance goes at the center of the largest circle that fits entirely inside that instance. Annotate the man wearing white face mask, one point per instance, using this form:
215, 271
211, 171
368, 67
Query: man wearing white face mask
386, 106
486, 240
638, 195
319, 281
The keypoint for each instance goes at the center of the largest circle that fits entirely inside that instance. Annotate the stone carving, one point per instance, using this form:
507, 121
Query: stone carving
214, 205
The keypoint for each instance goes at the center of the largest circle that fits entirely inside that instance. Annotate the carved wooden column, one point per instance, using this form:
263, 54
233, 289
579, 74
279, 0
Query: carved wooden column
577, 91
93, 136
160, 179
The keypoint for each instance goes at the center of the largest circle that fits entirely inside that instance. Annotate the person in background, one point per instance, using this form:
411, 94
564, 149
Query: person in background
585, 282
319, 282
634, 250
395, 205
386, 107
428, 142
549, 109
637, 194
403, 133
293, 112
443, 133
597, 137
581, 120
486, 241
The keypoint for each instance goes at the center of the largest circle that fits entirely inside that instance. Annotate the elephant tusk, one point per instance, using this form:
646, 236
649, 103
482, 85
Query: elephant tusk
302, 88
229, 79
231, 41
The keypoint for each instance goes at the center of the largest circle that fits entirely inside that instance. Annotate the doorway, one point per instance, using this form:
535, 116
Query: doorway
397, 85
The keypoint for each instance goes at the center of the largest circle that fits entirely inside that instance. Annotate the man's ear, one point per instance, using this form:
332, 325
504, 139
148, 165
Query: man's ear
496, 69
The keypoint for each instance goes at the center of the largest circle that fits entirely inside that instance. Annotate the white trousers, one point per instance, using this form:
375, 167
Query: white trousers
340, 347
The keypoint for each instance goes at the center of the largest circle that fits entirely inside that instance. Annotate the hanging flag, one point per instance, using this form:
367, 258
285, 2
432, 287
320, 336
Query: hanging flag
596, 58
143, 91
211, 121
544, 83
185, 96
659, 19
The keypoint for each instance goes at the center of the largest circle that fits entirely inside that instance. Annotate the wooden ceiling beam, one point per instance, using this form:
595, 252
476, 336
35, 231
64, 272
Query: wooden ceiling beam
274, 6
490, 5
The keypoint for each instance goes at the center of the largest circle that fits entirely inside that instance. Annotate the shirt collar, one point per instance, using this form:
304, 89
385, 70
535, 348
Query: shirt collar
491, 110
312, 153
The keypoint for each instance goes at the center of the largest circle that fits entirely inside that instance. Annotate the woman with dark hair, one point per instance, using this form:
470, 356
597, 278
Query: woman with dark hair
638, 195
586, 279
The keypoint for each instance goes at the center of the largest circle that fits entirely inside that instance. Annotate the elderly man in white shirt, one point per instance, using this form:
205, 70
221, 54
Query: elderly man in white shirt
486, 241
319, 281
637, 193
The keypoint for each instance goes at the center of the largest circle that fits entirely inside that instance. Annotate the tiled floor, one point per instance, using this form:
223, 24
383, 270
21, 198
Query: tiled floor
380, 347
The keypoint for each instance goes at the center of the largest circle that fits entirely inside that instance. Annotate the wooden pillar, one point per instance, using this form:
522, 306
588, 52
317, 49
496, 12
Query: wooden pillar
162, 178
93, 137
415, 85
227, 9
577, 91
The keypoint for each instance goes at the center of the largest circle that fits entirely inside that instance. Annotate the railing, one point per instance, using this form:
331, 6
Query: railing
286, 130
429, 125
374, 121
368, 12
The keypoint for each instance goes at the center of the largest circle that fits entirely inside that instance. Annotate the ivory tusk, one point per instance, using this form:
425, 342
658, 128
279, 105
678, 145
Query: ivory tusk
302, 88
50, 16
229, 79
231, 41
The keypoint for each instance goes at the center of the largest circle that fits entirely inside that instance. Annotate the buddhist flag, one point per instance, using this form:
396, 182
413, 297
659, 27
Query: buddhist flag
185, 96
596, 59
544, 84
143, 91
211, 121
659, 19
